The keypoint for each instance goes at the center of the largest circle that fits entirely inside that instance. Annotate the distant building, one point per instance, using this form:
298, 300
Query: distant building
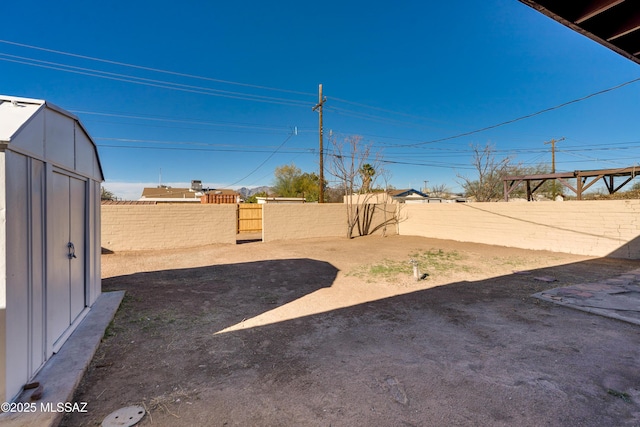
408, 195
264, 200
195, 194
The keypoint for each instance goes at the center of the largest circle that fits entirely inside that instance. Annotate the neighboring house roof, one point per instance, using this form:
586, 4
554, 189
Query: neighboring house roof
263, 200
226, 192
127, 202
170, 194
163, 192
410, 192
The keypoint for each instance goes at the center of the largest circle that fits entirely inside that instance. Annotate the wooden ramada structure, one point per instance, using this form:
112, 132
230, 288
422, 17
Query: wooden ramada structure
584, 180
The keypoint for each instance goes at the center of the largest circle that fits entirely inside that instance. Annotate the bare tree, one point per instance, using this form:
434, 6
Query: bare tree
439, 190
350, 157
390, 211
487, 185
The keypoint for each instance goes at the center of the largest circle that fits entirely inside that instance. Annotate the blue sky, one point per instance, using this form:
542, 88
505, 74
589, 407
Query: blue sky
212, 90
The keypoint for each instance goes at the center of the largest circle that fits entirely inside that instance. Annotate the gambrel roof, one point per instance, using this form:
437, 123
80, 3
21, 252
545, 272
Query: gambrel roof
42, 130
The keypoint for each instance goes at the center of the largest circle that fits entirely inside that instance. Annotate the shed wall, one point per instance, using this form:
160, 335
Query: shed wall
59, 139
3, 283
31, 137
24, 283
94, 242
44, 140
17, 283
85, 159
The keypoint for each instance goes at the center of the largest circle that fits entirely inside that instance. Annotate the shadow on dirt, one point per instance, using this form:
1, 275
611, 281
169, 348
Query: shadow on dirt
223, 294
471, 353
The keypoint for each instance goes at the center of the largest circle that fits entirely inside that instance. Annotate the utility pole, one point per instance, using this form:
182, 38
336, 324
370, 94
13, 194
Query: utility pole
318, 107
553, 153
553, 162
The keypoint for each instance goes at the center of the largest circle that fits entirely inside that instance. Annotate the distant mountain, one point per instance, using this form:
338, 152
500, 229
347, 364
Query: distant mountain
247, 192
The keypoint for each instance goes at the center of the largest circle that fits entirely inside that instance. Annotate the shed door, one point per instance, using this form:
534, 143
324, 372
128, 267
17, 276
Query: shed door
66, 288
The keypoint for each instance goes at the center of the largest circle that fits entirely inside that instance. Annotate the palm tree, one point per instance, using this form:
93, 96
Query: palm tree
367, 172
106, 194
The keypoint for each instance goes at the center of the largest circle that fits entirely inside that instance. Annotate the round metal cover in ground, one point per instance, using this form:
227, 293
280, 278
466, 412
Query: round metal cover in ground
124, 417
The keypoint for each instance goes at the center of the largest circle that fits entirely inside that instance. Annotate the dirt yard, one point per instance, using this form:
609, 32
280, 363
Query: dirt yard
337, 332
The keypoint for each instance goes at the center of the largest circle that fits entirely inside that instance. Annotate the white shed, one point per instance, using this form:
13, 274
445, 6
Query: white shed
50, 178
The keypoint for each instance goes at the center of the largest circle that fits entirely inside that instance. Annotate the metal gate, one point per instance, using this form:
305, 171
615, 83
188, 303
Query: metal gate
249, 218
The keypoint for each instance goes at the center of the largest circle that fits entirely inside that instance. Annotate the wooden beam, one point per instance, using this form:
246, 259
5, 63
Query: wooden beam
541, 176
608, 183
630, 25
623, 184
593, 181
596, 7
569, 186
569, 15
514, 184
582, 180
539, 185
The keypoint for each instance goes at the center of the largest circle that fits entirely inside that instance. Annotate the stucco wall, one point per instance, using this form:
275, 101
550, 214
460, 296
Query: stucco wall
164, 226
295, 221
281, 221
598, 228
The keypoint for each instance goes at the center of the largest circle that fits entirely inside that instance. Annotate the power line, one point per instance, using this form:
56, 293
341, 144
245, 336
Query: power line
374, 118
273, 100
537, 113
238, 125
154, 141
243, 96
384, 110
156, 70
140, 147
265, 160
150, 82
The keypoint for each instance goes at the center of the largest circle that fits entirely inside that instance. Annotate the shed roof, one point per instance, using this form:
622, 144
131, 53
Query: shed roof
17, 113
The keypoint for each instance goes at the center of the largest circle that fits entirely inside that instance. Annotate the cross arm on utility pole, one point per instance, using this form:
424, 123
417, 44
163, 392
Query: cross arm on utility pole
553, 152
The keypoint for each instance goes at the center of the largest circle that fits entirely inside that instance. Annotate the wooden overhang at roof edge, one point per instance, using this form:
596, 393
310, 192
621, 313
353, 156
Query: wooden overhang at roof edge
612, 23
510, 183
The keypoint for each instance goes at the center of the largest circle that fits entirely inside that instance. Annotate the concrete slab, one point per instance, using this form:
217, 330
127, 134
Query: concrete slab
63, 371
616, 297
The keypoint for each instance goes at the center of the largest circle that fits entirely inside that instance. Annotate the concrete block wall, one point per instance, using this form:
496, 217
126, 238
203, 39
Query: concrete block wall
281, 221
284, 221
167, 226
597, 228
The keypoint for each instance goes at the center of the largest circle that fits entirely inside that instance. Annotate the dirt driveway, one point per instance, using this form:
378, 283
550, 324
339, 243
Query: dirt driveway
336, 332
